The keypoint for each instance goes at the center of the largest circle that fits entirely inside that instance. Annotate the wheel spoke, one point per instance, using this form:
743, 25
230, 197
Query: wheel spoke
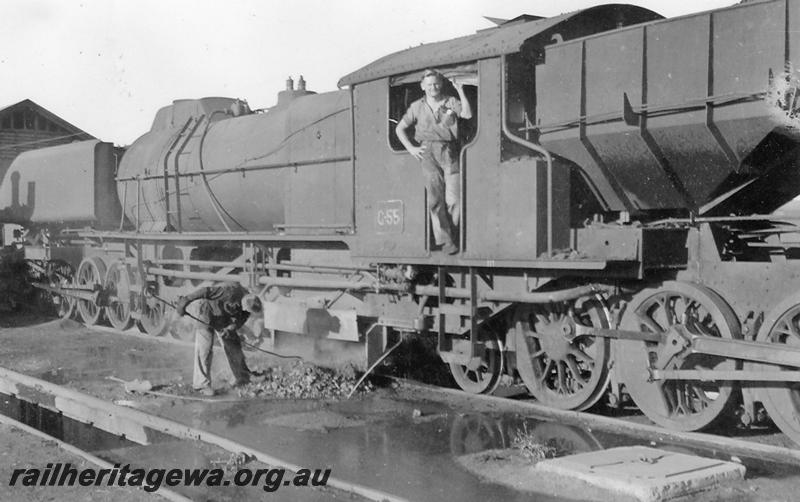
702, 329
576, 372
558, 370
545, 371
61, 275
672, 398
486, 377
581, 355
681, 395
154, 319
782, 400
792, 328
677, 404
562, 377
668, 307
662, 398
90, 273
648, 322
701, 396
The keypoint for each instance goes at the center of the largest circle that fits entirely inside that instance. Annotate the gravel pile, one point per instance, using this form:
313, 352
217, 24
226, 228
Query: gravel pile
303, 380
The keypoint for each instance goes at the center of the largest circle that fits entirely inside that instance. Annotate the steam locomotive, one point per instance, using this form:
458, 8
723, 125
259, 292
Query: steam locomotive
622, 187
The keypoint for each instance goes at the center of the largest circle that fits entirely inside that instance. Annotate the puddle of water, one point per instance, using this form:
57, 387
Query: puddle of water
378, 442
381, 445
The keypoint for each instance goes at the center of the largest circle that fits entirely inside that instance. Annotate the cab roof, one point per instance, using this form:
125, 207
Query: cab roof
507, 38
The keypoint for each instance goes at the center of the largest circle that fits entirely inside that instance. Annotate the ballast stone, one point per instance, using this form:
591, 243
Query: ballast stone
647, 474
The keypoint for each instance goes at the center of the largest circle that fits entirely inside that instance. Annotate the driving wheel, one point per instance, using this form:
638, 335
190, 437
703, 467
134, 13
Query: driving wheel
782, 399
154, 319
484, 377
561, 368
61, 274
685, 405
91, 274
118, 288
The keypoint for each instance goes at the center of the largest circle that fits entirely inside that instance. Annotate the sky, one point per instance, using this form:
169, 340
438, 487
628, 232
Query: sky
107, 66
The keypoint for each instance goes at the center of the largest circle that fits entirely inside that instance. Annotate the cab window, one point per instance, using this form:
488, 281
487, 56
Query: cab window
405, 89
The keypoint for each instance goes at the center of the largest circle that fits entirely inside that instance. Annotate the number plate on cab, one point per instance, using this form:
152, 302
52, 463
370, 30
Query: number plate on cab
389, 217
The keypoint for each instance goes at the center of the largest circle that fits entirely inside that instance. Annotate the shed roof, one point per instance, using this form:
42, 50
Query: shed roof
504, 39
78, 133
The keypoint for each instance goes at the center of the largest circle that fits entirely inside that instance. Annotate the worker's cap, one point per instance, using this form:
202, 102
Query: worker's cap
252, 304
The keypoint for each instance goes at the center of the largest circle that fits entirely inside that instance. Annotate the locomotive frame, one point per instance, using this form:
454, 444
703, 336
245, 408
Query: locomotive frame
588, 252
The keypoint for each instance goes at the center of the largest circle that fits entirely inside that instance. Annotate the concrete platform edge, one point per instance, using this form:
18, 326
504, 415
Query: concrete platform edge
131, 423
162, 492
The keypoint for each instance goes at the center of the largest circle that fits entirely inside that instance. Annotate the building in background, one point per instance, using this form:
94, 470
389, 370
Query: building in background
27, 126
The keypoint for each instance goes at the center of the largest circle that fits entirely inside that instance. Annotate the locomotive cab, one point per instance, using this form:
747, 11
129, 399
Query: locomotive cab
515, 198
502, 184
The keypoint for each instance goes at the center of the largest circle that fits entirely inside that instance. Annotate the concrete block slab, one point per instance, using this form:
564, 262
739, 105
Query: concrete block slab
647, 474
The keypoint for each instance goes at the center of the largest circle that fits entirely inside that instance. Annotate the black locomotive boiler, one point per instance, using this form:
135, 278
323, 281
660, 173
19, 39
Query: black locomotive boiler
622, 187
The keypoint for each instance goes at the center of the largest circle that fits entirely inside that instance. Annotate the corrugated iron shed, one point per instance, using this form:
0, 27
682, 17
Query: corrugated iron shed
504, 39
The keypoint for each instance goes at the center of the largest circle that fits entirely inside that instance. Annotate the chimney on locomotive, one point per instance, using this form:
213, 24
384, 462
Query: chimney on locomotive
290, 93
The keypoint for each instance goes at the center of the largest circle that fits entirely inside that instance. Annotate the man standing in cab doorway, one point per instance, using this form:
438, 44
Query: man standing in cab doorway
435, 121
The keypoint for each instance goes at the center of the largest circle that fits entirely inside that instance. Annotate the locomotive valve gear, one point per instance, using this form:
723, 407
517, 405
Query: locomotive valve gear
435, 121
224, 309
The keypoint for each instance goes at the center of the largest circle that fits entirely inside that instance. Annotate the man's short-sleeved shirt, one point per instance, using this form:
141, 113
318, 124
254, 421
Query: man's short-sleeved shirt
434, 125
221, 307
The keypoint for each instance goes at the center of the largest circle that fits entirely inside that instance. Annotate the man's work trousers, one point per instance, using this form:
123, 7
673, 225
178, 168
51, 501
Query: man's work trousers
203, 355
443, 180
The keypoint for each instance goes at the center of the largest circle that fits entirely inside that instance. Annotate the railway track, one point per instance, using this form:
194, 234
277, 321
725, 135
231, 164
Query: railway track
415, 430
774, 448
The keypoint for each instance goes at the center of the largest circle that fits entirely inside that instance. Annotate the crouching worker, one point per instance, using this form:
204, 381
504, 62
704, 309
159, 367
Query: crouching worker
223, 309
